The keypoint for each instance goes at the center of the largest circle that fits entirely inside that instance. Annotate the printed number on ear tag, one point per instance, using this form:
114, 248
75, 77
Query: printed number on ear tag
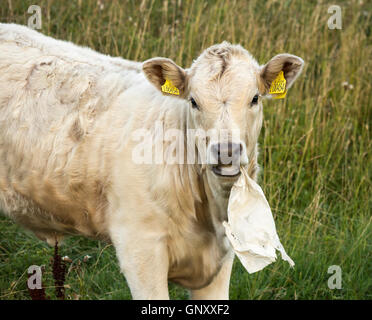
168, 87
278, 86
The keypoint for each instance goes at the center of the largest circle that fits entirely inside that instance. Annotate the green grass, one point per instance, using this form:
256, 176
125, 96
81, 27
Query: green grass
315, 144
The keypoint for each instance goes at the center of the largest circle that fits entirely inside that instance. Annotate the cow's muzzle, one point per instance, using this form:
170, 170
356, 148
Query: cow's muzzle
225, 158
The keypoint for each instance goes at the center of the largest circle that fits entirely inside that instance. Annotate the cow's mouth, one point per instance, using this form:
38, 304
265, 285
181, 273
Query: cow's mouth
226, 170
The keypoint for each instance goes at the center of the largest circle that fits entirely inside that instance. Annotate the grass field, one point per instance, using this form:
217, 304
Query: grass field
315, 144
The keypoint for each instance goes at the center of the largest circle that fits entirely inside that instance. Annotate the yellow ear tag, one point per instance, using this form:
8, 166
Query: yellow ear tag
280, 95
168, 87
278, 86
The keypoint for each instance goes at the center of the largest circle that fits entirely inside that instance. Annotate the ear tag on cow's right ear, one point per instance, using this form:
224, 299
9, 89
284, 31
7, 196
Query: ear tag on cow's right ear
168, 87
277, 88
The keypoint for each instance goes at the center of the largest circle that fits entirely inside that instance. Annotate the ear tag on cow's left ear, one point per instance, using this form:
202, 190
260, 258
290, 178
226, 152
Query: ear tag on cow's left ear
280, 95
277, 88
168, 87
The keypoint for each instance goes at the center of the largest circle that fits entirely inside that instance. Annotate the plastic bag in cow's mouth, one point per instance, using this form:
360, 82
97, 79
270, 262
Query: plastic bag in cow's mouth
250, 227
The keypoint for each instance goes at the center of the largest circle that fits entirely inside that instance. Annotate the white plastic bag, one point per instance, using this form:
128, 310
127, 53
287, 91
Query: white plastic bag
250, 227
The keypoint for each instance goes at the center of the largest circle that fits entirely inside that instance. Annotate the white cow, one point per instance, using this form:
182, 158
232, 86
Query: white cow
68, 116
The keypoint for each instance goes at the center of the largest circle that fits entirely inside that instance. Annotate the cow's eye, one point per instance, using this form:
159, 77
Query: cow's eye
194, 104
254, 100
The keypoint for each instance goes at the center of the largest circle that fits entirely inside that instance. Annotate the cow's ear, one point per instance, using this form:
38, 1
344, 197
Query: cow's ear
290, 65
159, 70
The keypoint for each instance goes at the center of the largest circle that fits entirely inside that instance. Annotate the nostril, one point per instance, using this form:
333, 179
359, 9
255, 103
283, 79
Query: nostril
235, 149
216, 151
226, 153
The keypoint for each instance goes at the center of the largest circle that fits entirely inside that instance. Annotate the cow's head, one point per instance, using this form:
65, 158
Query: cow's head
224, 89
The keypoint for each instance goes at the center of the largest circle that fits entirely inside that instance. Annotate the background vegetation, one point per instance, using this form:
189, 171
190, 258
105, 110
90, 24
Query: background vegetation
315, 144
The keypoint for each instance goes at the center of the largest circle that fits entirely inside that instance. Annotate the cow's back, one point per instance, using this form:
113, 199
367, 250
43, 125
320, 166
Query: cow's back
53, 177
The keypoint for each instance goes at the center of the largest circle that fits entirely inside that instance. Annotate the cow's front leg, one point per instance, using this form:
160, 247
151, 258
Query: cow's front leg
218, 289
143, 259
